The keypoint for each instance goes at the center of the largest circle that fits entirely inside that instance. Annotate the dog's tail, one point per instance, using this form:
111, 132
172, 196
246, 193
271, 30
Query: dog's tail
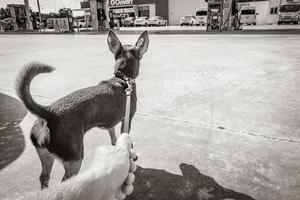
24, 79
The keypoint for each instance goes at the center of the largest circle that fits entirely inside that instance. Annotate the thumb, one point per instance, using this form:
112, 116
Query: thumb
124, 141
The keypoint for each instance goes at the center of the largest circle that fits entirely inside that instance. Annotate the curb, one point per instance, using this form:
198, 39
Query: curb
167, 32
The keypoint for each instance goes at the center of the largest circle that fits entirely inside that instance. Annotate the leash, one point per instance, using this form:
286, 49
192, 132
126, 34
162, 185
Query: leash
128, 92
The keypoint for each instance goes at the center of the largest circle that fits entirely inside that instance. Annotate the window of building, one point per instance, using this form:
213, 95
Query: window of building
144, 11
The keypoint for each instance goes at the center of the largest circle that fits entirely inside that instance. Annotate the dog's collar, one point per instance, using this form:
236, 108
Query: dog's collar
122, 76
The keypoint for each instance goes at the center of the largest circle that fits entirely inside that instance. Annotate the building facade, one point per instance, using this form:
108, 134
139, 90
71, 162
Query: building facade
138, 8
173, 10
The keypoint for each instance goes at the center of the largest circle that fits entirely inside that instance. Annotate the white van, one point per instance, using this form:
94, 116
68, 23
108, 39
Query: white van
289, 13
201, 15
248, 15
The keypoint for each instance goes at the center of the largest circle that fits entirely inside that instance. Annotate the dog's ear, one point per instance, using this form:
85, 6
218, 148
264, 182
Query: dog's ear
142, 43
114, 44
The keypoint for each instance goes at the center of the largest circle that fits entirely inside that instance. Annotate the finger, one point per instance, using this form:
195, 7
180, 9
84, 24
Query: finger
130, 179
132, 166
132, 154
124, 141
120, 195
127, 189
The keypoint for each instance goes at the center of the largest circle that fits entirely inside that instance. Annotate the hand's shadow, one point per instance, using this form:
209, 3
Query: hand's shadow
12, 141
161, 185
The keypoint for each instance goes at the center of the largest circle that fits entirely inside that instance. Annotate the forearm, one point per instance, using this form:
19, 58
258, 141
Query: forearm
86, 185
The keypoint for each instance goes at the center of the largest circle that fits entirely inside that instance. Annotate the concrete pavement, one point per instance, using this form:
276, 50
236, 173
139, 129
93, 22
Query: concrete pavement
218, 115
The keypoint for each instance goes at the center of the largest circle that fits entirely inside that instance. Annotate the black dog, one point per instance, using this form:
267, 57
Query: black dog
61, 126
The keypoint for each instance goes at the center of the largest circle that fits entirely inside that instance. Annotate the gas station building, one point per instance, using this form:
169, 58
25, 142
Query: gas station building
138, 8
125, 8
173, 10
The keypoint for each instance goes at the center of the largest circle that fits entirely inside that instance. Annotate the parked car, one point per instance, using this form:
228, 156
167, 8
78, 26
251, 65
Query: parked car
129, 21
50, 23
141, 21
7, 24
157, 21
201, 15
189, 20
248, 15
79, 23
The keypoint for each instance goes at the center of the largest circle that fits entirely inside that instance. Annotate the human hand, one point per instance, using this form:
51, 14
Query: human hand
109, 176
115, 164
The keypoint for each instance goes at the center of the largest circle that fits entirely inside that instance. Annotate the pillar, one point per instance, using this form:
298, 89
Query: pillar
94, 14
227, 6
14, 18
106, 8
28, 16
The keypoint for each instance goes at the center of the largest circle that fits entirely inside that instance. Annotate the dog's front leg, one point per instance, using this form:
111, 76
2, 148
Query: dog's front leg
113, 137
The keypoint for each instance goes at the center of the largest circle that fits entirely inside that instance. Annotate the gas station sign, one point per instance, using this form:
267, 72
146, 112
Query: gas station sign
120, 2
214, 1
123, 10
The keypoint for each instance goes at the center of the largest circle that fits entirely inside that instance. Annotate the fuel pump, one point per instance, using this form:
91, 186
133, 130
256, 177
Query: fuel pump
214, 15
221, 15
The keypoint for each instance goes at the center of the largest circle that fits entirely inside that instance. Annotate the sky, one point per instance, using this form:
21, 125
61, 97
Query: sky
46, 5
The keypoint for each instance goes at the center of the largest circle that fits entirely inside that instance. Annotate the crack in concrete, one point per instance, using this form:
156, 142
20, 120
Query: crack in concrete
203, 125
207, 126
34, 95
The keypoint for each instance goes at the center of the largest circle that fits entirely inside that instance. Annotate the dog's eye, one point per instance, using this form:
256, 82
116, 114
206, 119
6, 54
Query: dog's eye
136, 55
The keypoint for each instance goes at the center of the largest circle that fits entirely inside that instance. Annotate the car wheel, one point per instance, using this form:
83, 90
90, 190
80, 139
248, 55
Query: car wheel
254, 24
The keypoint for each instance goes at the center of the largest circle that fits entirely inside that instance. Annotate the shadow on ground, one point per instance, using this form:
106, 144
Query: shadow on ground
12, 141
192, 185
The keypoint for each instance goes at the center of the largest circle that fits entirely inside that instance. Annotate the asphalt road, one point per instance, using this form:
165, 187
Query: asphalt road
218, 115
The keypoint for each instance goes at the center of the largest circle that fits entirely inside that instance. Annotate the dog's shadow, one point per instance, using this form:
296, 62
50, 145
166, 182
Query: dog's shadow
192, 185
12, 141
